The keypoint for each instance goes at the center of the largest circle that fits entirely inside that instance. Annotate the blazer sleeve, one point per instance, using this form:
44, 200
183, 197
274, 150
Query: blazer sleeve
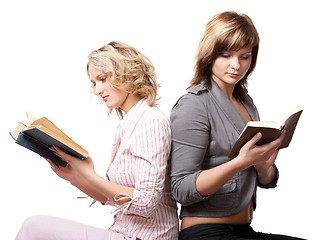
190, 138
273, 184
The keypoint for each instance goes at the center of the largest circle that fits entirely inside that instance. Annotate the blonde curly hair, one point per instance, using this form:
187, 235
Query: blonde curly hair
127, 69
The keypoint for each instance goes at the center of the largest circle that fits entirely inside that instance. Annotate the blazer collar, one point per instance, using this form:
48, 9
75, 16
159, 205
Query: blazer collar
230, 111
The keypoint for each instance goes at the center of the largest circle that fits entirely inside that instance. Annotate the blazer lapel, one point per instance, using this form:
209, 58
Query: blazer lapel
229, 110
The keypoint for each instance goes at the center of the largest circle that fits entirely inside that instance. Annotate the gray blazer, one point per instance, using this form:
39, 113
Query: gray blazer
205, 125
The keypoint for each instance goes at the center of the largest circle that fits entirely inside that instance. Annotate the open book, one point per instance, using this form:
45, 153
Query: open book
39, 135
270, 131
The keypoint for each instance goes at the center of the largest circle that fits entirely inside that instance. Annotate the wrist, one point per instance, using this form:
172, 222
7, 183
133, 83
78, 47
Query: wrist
92, 177
239, 163
262, 172
76, 180
266, 176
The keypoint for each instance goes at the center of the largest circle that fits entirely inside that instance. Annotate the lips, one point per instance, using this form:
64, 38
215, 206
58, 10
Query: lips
233, 75
105, 97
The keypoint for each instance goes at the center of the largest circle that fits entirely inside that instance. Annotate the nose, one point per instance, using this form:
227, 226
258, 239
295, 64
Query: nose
235, 63
98, 88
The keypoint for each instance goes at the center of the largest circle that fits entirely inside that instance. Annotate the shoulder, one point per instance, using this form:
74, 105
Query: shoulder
191, 110
153, 115
198, 89
195, 99
151, 126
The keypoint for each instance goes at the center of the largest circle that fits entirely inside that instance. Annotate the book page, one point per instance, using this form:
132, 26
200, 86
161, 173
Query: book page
50, 128
30, 118
17, 130
34, 122
46, 123
67, 141
268, 124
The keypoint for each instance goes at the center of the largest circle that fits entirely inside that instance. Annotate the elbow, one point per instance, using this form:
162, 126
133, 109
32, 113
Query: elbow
184, 191
184, 201
180, 195
145, 205
146, 210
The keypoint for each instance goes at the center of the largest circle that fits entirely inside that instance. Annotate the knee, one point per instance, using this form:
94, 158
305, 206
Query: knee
33, 222
31, 228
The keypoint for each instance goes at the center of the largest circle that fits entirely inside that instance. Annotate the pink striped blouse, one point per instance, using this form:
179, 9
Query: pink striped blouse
139, 160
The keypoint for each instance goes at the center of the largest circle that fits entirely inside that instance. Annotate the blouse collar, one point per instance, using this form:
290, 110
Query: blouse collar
130, 120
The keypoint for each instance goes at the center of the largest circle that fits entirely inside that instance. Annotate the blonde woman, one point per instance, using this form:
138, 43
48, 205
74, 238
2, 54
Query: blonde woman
137, 181
218, 194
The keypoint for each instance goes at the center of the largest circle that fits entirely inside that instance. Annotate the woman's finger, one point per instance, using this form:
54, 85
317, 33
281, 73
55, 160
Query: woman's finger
276, 143
54, 166
61, 154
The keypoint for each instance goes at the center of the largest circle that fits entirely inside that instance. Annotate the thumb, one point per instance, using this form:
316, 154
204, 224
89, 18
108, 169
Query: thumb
255, 139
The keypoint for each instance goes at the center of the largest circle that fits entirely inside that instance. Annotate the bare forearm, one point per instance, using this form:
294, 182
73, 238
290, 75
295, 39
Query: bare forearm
89, 190
108, 189
209, 181
81, 174
261, 157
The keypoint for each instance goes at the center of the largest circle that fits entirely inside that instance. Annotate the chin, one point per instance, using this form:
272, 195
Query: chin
233, 81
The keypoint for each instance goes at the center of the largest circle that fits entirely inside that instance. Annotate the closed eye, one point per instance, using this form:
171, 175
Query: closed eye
245, 57
225, 55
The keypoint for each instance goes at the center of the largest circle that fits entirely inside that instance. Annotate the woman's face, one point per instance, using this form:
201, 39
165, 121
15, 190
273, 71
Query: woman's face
231, 66
112, 96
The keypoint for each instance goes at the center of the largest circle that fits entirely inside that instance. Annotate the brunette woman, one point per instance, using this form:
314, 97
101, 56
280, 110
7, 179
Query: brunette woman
218, 194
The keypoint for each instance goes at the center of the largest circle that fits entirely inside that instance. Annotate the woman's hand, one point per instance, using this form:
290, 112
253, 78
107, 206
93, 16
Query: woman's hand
89, 181
76, 172
67, 173
83, 167
261, 157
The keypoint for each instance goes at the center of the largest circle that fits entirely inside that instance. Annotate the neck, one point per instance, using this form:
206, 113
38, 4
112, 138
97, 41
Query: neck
227, 89
130, 101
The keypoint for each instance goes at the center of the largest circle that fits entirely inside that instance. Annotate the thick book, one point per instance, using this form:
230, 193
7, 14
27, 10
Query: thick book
38, 135
270, 131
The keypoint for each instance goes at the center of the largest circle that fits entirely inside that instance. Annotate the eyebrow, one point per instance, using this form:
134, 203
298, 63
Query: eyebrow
100, 76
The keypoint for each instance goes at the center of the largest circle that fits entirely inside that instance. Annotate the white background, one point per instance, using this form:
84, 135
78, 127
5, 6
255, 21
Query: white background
43, 55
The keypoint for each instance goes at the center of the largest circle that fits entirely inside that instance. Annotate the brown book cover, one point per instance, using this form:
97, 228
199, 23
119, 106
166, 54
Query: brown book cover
270, 131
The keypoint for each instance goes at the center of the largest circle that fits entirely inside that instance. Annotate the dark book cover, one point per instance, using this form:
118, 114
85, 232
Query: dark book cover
40, 142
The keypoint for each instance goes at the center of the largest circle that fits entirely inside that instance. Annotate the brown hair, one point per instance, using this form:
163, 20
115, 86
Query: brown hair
227, 31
